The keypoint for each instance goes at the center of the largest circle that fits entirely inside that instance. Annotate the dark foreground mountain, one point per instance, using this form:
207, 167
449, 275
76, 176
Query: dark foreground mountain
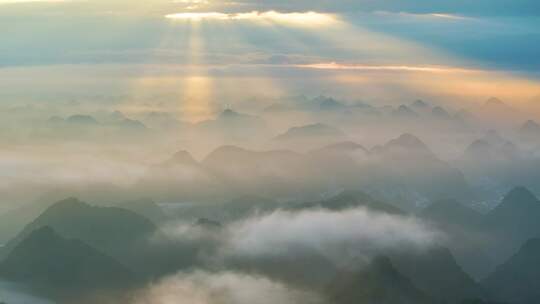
64, 267
513, 222
452, 213
518, 280
465, 237
377, 283
117, 232
436, 273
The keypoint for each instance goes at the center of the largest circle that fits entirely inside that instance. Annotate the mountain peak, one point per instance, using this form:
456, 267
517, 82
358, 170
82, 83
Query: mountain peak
344, 146
405, 111
530, 128
406, 145
516, 280
312, 130
328, 103
183, 157
494, 101
532, 245
440, 112
521, 195
45, 254
478, 148
531, 123
407, 140
494, 138
419, 104
224, 154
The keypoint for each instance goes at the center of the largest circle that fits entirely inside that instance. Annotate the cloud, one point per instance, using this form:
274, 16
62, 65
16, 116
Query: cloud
424, 15
304, 249
395, 68
221, 288
292, 18
481, 7
338, 236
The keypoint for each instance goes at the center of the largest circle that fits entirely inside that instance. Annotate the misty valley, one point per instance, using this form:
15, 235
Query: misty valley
312, 214
269, 152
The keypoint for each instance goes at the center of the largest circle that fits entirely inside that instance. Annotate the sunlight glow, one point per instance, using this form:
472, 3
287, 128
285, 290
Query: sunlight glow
197, 87
30, 1
298, 19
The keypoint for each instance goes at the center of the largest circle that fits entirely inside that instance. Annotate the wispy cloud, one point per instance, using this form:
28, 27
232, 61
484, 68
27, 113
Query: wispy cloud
405, 68
335, 235
447, 16
223, 288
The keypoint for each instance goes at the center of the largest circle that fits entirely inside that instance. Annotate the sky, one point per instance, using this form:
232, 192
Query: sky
208, 49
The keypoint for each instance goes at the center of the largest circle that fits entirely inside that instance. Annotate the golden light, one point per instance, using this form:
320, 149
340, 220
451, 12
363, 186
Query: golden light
396, 68
197, 87
305, 19
198, 16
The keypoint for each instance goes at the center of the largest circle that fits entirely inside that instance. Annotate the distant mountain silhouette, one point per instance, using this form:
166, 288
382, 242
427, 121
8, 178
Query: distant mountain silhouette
130, 125
345, 147
310, 131
494, 138
328, 104
492, 148
440, 113
479, 150
180, 176
419, 104
530, 129
404, 111
406, 145
263, 173
494, 103
377, 283
82, 120
464, 116
231, 117
233, 125
415, 172
63, 267
182, 158
494, 109
517, 281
